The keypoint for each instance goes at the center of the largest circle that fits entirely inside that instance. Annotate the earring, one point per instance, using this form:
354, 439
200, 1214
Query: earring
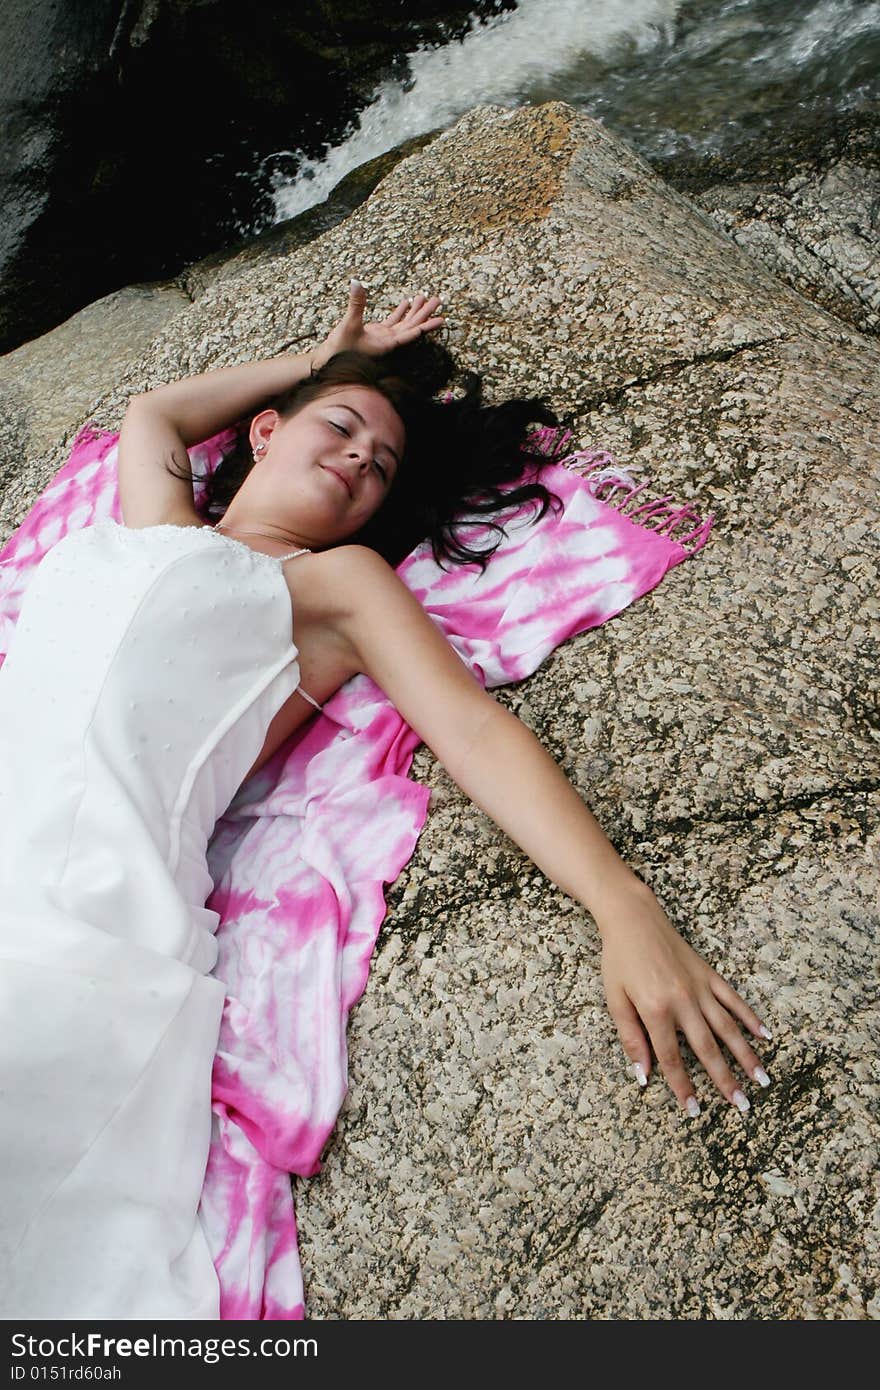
260, 449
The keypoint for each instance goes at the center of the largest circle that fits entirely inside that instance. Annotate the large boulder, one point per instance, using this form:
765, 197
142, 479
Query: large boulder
494, 1158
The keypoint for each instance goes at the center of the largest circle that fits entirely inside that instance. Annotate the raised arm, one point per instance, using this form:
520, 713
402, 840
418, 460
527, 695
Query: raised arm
155, 484
160, 425
655, 983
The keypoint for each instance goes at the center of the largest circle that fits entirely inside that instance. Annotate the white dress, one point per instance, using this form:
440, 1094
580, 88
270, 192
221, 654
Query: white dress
144, 671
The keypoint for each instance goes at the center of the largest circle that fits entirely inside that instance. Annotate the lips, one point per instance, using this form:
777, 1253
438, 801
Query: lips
341, 476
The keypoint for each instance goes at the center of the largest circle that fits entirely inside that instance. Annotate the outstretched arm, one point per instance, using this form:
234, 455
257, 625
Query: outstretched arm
656, 985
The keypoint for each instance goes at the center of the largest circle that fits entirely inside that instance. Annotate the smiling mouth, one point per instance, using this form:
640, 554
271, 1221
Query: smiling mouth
336, 474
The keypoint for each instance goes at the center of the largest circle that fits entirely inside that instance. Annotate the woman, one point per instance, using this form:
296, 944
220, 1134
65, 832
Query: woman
154, 666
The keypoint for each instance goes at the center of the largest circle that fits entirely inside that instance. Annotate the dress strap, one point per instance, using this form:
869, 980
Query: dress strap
306, 696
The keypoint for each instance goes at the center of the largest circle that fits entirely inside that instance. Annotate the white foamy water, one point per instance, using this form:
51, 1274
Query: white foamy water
830, 23
499, 63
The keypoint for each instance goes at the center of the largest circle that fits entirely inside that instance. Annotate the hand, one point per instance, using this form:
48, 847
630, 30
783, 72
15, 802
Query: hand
656, 986
408, 321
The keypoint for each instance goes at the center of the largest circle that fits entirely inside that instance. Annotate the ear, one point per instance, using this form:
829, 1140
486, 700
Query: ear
262, 427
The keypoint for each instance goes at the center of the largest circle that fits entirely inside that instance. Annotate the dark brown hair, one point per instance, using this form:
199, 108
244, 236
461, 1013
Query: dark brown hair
462, 457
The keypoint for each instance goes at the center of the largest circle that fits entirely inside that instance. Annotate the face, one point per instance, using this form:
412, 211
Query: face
329, 467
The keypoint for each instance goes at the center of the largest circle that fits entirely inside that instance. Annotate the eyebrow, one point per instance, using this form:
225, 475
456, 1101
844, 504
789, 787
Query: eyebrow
340, 405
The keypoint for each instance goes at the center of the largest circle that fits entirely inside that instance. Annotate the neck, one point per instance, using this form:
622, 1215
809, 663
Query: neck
285, 540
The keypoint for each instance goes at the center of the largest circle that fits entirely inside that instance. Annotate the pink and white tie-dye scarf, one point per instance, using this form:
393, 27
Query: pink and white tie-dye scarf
302, 855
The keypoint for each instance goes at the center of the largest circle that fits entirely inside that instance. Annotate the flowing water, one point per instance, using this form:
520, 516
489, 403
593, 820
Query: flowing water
671, 77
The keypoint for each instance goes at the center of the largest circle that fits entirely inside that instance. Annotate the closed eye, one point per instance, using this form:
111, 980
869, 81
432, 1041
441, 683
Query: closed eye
377, 463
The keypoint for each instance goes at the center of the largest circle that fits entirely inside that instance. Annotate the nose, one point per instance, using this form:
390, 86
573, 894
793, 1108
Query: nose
359, 455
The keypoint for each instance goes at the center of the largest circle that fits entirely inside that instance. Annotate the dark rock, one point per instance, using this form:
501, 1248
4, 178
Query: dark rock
130, 130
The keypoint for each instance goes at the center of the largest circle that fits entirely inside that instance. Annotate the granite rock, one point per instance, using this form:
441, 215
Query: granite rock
807, 206
821, 235
49, 385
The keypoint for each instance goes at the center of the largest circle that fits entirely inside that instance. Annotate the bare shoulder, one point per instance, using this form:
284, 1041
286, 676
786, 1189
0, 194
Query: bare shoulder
335, 584
351, 563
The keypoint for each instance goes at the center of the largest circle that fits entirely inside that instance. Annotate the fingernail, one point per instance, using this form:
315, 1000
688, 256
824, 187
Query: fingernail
692, 1106
355, 285
741, 1101
765, 1032
639, 1072
761, 1076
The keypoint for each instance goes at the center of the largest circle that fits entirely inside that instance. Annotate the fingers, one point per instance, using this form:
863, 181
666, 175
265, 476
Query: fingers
397, 314
703, 1040
632, 1036
408, 320
424, 302
738, 1007
664, 1039
425, 313
421, 311
705, 1025
657, 984
726, 1029
407, 334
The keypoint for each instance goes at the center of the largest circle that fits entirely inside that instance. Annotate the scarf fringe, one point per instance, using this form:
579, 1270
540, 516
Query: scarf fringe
606, 479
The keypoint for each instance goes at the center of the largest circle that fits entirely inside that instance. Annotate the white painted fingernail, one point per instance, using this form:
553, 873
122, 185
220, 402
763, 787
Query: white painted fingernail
765, 1032
355, 285
761, 1076
692, 1106
741, 1101
639, 1072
